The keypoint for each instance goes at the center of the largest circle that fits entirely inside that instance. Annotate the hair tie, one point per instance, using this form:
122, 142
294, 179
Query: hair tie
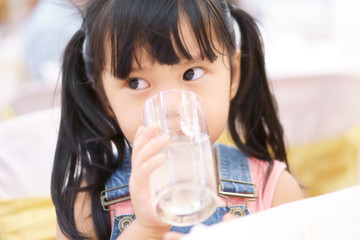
85, 46
86, 57
236, 28
237, 33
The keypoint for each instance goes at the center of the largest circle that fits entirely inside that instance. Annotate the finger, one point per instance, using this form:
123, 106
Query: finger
147, 168
143, 135
173, 236
150, 149
150, 165
228, 217
139, 131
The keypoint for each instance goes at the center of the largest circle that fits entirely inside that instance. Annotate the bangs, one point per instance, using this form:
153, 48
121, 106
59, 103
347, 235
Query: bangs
153, 27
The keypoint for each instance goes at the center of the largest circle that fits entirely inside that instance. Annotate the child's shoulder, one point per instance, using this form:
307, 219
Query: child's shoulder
280, 186
259, 171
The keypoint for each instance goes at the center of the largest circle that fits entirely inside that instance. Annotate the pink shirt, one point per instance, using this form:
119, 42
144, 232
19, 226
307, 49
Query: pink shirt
258, 170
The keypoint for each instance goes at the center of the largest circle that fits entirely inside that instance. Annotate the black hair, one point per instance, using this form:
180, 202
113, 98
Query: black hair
88, 131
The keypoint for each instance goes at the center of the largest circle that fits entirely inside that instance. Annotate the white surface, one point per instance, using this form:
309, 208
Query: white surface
27, 147
330, 216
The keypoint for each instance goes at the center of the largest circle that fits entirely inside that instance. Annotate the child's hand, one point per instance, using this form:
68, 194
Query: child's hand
145, 159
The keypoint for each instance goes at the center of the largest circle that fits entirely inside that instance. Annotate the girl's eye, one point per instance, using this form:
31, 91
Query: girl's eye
193, 74
138, 84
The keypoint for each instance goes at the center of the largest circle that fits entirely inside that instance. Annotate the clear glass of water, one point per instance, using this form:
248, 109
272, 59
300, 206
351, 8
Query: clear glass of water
184, 187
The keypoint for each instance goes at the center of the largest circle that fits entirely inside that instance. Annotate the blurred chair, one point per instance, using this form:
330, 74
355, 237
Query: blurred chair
26, 154
34, 96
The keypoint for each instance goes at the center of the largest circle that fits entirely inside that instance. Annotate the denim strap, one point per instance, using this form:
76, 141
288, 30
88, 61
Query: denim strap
233, 170
118, 184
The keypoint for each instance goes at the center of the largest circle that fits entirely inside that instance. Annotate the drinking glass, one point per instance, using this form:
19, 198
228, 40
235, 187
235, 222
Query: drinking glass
184, 187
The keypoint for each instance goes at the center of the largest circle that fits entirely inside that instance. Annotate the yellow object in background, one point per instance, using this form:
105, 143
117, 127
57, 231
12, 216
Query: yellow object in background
6, 112
27, 218
327, 165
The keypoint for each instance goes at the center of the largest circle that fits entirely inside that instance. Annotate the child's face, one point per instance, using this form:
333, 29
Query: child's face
210, 81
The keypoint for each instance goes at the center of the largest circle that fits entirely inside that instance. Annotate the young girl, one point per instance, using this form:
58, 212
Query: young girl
125, 52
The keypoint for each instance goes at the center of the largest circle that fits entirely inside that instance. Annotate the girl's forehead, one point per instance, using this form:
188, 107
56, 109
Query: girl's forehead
142, 55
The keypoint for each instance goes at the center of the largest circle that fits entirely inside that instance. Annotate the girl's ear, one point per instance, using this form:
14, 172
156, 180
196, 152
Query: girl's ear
235, 78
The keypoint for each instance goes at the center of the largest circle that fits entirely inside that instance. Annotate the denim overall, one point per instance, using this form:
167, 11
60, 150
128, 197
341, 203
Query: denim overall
234, 179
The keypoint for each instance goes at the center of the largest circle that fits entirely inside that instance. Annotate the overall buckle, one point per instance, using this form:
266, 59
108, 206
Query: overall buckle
237, 211
125, 221
245, 195
106, 203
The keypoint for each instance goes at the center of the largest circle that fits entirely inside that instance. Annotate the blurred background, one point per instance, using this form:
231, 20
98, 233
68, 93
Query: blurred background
312, 50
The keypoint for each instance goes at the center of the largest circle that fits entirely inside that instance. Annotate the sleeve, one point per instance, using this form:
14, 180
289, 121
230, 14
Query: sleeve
271, 184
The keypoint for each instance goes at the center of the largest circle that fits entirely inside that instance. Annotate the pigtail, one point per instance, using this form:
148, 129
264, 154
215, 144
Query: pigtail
83, 154
254, 107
